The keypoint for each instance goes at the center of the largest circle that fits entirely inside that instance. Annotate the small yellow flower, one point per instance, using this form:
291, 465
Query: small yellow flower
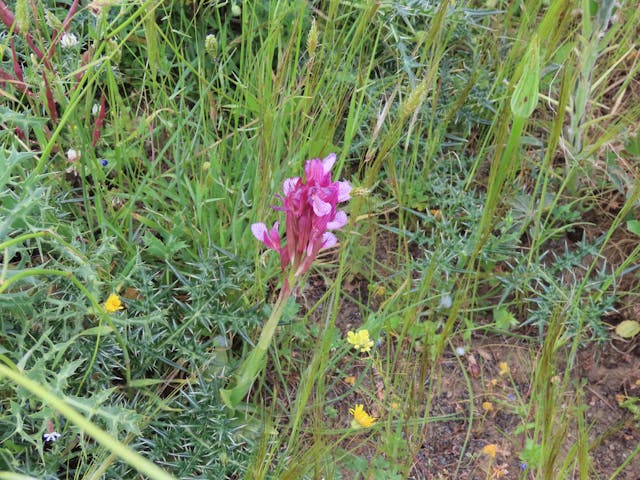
360, 340
504, 368
379, 291
487, 406
350, 380
113, 303
361, 418
490, 450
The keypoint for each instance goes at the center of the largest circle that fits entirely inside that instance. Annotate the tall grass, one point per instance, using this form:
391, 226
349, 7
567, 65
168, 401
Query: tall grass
479, 137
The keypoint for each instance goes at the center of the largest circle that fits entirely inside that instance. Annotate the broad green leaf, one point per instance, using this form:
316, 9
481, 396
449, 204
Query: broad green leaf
504, 319
628, 328
532, 453
634, 226
633, 145
99, 330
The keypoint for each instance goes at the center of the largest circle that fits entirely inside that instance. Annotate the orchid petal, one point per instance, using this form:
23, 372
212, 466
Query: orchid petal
270, 238
320, 207
259, 231
328, 162
344, 189
314, 172
290, 185
339, 221
328, 240
274, 237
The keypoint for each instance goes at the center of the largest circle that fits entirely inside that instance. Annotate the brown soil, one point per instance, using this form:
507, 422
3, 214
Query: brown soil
453, 448
613, 432
473, 405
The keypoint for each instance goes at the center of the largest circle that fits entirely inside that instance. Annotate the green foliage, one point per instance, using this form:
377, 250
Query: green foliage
634, 226
483, 139
176, 323
532, 454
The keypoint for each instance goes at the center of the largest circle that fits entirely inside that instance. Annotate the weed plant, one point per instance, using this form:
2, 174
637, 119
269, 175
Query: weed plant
493, 150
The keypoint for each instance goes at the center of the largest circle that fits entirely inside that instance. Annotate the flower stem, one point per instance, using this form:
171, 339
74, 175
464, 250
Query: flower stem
255, 362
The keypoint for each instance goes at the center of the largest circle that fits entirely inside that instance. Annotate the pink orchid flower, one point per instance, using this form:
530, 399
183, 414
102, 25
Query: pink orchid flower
310, 206
311, 210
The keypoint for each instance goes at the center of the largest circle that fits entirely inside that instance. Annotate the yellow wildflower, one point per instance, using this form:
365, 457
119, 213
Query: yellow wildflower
504, 368
350, 380
379, 291
487, 406
361, 418
113, 303
360, 340
490, 450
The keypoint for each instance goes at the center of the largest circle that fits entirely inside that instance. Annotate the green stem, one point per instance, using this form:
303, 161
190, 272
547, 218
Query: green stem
255, 362
501, 175
112, 444
15, 476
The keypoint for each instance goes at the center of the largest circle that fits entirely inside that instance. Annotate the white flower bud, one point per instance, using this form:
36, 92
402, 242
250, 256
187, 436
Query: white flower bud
211, 45
72, 155
68, 40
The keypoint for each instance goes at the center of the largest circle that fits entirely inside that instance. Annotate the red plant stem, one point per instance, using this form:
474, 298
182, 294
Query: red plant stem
53, 112
16, 66
56, 36
17, 70
72, 12
6, 77
7, 17
97, 130
20, 134
10, 22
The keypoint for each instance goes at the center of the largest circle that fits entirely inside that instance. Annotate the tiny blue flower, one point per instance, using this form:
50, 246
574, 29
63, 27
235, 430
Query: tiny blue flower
104, 162
511, 397
523, 466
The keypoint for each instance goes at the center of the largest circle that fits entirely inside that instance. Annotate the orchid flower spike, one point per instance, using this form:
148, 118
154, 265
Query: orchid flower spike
311, 212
